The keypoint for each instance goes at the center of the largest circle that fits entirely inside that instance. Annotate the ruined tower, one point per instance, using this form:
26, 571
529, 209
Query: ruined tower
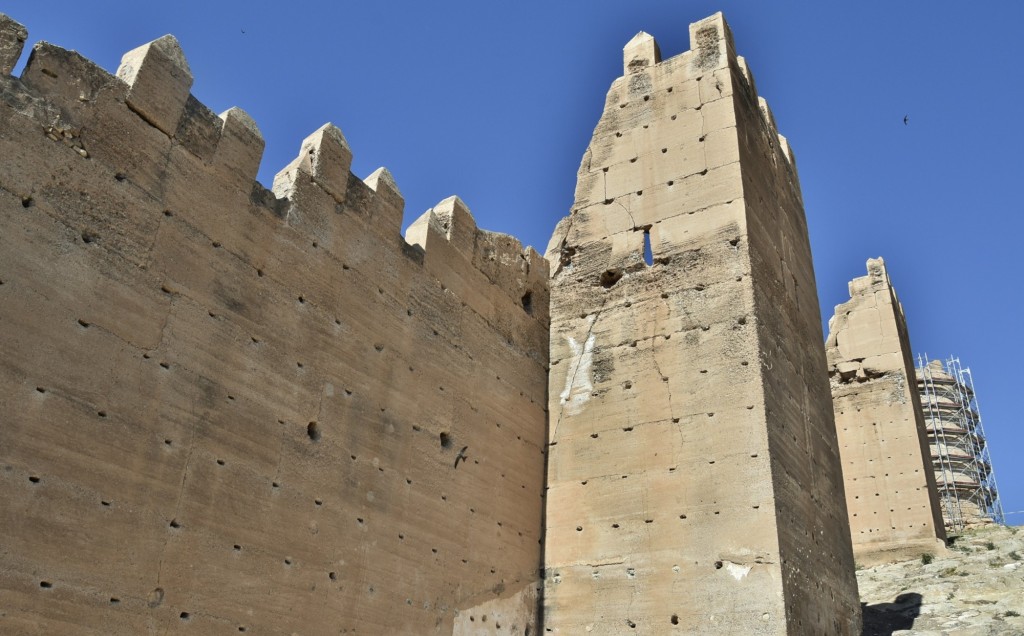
890, 489
694, 476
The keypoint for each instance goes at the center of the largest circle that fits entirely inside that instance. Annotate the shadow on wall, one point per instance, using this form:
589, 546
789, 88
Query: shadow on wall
882, 619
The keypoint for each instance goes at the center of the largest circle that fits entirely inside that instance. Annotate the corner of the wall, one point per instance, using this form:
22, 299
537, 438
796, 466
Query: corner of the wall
876, 268
787, 150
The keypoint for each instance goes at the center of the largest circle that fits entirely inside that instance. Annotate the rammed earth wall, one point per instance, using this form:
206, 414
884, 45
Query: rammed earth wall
694, 473
231, 409
239, 409
890, 486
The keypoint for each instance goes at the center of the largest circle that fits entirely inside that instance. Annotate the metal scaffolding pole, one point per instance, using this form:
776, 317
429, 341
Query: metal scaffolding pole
960, 456
948, 495
987, 474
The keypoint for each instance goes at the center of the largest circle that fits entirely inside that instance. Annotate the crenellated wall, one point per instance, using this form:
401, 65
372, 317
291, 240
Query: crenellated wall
226, 408
694, 475
233, 409
890, 488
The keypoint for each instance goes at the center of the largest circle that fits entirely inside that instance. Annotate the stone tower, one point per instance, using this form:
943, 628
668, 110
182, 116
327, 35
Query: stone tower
694, 475
890, 489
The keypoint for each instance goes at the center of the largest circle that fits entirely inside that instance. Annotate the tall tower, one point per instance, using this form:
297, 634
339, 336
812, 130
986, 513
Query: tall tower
890, 490
694, 475
960, 457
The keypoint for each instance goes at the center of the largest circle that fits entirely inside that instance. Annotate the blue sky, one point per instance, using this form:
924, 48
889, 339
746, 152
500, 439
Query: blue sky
496, 102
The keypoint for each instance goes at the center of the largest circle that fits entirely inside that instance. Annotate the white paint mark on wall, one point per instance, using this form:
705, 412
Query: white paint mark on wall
577, 383
736, 570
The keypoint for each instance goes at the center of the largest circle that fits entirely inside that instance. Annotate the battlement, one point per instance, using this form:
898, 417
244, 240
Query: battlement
638, 164
448, 235
225, 387
265, 408
104, 117
712, 61
684, 317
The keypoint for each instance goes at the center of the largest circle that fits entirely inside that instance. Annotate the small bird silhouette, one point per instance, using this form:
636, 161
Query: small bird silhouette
243, 31
461, 455
906, 119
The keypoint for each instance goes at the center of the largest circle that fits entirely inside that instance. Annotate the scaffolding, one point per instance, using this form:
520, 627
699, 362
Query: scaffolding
959, 450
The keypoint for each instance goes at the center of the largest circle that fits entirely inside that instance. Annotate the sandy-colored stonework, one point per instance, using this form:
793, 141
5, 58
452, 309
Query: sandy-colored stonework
232, 409
890, 488
694, 476
228, 408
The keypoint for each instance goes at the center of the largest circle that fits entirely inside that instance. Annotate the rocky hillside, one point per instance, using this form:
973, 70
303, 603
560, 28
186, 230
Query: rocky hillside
976, 588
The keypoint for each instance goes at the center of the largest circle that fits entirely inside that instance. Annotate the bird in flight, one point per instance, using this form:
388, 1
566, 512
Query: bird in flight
461, 455
906, 119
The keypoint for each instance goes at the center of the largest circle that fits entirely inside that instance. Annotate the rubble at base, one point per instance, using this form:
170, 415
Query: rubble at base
975, 589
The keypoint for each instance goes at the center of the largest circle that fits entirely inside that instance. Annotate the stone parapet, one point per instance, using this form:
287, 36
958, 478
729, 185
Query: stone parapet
236, 408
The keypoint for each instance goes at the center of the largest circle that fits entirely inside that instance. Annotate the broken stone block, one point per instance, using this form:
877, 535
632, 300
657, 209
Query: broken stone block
847, 370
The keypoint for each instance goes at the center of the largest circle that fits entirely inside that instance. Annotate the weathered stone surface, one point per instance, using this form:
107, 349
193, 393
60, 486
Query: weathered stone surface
325, 158
12, 41
159, 80
973, 589
227, 411
694, 476
890, 488
235, 408
640, 52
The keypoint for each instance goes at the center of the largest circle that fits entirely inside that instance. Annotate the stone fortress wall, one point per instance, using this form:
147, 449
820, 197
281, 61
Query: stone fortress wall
233, 409
890, 487
228, 408
694, 476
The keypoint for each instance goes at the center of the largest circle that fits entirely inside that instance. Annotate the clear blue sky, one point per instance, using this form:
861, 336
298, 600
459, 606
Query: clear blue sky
496, 101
